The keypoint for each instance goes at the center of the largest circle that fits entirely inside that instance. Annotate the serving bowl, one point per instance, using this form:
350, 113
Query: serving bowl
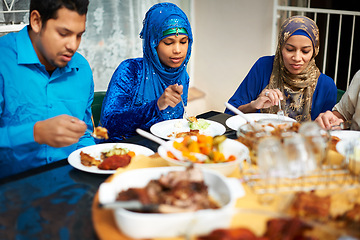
156, 225
229, 147
266, 127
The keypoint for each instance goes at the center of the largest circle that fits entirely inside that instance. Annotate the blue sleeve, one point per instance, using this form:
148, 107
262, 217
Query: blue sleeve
324, 97
255, 81
119, 114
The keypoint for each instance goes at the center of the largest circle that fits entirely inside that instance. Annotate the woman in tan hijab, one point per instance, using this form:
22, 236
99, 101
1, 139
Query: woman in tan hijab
290, 78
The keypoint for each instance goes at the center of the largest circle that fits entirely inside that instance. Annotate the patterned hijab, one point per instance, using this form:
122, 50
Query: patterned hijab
298, 89
156, 76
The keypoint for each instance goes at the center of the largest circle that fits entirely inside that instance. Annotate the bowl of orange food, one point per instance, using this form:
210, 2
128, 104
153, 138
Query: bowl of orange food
221, 154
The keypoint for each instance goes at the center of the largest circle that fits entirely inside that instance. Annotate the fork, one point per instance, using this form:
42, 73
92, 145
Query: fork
185, 113
92, 133
342, 125
280, 113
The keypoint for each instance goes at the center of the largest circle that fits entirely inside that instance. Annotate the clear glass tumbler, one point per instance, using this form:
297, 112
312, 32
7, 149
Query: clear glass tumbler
271, 158
299, 155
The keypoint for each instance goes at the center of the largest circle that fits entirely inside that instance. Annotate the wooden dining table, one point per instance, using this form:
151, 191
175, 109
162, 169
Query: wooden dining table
55, 201
252, 211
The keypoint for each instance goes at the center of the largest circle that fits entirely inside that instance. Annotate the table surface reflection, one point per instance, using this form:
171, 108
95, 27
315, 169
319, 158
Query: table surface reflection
54, 201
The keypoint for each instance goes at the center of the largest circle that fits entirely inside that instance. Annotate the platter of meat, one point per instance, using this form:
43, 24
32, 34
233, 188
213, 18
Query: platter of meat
289, 228
106, 158
338, 210
190, 201
177, 128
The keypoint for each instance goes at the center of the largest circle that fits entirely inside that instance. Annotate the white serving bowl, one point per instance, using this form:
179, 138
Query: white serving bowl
229, 147
156, 225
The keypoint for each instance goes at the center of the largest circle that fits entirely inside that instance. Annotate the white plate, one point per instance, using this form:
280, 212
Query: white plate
348, 138
344, 146
346, 134
236, 121
168, 129
95, 151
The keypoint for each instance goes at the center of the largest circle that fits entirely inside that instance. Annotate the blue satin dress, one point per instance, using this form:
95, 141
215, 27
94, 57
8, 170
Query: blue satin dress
121, 115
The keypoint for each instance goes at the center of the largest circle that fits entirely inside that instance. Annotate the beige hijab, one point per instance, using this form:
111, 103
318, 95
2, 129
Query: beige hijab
297, 89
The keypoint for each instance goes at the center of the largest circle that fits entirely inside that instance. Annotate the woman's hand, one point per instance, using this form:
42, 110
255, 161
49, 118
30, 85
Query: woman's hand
328, 119
267, 98
171, 96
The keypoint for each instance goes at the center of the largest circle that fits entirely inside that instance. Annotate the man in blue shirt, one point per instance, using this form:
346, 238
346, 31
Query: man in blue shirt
46, 88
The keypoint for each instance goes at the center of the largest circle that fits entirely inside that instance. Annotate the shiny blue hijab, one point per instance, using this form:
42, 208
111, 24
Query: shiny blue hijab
156, 76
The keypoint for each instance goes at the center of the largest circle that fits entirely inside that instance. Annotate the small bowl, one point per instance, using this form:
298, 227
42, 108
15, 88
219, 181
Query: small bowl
223, 190
229, 147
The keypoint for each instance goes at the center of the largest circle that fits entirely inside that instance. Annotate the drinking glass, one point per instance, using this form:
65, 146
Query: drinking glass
300, 158
271, 158
317, 140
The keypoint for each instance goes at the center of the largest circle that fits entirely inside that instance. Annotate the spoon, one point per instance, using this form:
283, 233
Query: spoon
136, 205
243, 115
178, 154
132, 205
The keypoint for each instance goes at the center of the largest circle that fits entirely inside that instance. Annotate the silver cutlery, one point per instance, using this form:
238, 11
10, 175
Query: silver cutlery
92, 133
250, 121
342, 125
185, 113
280, 113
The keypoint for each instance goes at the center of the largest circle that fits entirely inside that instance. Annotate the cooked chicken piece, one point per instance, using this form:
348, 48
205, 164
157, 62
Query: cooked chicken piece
88, 160
101, 132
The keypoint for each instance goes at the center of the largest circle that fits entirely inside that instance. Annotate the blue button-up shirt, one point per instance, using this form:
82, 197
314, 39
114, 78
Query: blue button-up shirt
28, 93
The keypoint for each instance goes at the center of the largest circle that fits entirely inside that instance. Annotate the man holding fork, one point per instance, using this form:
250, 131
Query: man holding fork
46, 88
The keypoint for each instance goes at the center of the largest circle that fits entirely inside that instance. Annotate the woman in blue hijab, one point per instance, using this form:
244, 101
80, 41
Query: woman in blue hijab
144, 91
291, 77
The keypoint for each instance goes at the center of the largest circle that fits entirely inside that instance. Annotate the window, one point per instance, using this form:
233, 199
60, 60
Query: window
112, 31
14, 15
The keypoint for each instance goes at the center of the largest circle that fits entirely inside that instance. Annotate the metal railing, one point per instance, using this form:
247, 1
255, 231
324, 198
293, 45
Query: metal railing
6, 8
281, 12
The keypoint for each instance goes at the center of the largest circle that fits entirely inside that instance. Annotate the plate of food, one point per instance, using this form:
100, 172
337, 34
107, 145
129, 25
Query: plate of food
236, 121
106, 158
178, 128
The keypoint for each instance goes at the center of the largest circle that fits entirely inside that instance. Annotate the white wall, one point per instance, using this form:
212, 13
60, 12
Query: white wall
229, 36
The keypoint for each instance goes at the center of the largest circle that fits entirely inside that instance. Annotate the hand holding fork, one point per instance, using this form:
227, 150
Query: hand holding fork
280, 113
185, 113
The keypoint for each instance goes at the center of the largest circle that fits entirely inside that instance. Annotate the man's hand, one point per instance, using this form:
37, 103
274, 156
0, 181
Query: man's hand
328, 119
59, 131
171, 96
